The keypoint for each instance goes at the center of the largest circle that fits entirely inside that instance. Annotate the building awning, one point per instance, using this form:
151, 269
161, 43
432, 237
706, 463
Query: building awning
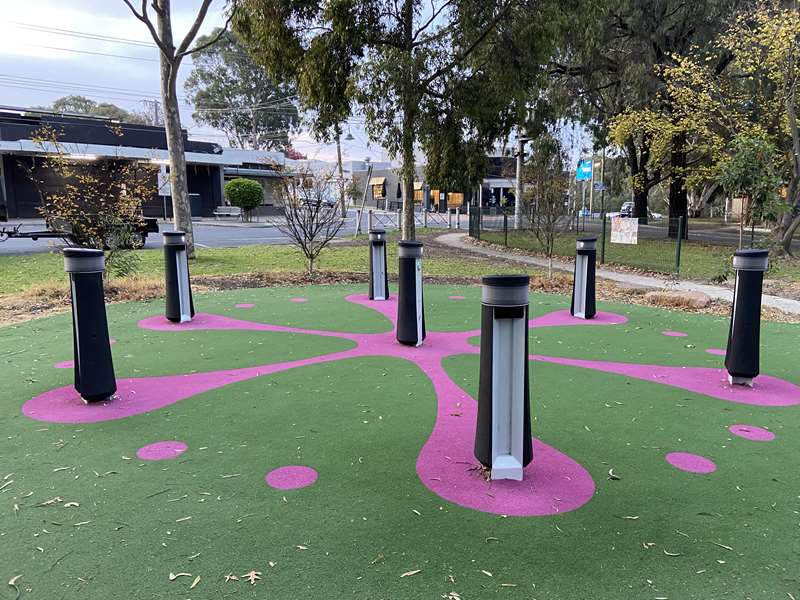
240, 171
377, 181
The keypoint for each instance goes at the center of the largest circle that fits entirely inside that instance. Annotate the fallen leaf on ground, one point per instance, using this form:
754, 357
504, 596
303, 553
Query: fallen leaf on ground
252, 576
174, 576
411, 573
71, 504
612, 476
672, 553
487, 573
195, 582
231, 577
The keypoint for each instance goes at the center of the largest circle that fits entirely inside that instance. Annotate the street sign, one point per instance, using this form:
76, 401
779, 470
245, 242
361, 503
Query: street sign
584, 172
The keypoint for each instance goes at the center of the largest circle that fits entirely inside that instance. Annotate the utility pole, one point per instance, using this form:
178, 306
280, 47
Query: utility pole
518, 192
342, 202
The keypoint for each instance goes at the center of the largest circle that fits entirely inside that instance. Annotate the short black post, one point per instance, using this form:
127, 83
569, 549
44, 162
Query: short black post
503, 431
505, 229
681, 226
410, 307
179, 305
378, 280
94, 368
742, 354
583, 292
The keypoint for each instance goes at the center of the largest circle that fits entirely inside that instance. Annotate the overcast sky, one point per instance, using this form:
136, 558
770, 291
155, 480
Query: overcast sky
45, 54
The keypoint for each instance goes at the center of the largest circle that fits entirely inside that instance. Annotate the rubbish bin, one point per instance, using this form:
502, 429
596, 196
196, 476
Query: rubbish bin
503, 432
742, 354
378, 280
94, 368
410, 307
583, 286
179, 302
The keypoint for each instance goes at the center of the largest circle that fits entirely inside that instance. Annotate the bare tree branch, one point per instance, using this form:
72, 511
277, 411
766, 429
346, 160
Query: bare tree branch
145, 18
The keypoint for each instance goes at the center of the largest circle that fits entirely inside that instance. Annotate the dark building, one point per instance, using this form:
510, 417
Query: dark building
98, 139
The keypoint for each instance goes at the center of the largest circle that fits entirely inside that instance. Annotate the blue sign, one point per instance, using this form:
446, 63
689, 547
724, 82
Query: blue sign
599, 187
584, 172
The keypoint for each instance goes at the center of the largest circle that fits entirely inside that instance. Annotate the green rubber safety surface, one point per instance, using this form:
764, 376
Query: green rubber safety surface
85, 517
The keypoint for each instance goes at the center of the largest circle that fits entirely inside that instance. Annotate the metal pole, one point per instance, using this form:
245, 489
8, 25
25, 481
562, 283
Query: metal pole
591, 190
505, 229
518, 191
364, 201
449, 219
681, 225
603, 241
369, 220
458, 218
603, 206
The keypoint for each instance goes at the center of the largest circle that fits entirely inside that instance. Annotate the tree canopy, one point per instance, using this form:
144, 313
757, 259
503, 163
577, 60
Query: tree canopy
85, 106
232, 93
411, 68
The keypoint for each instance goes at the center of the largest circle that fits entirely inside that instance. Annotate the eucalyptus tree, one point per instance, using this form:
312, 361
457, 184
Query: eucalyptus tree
394, 60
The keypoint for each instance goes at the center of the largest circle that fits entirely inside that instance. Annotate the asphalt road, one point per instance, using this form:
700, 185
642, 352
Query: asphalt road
206, 235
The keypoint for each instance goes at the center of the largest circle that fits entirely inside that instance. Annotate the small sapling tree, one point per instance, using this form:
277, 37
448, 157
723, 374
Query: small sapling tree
311, 218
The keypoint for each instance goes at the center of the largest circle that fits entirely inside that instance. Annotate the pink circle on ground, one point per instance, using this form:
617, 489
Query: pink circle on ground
298, 299
291, 477
245, 305
65, 364
716, 351
165, 450
670, 333
456, 297
692, 463
752, 432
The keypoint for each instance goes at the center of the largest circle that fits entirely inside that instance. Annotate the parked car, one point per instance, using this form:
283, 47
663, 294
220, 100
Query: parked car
626, 210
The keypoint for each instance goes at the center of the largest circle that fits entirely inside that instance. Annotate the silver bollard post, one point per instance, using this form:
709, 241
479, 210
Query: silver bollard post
370, 219
458, 218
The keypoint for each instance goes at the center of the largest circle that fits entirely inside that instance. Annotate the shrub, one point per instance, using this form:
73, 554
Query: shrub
244, 193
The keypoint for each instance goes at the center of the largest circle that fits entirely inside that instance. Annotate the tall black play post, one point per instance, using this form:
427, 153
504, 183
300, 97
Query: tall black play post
410, 307
179, 305
378, 281
503, 433
583, 300
742, 354
94, 369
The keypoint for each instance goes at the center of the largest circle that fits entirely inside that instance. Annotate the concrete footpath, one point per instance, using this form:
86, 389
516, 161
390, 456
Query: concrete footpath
456, 240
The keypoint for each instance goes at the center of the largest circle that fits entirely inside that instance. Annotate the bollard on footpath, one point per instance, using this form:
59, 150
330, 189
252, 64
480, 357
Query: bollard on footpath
378, 279
179, 302
583, 285
410, 306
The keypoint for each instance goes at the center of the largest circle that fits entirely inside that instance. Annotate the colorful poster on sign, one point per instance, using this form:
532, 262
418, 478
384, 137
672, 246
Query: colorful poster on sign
584, 172
624, 230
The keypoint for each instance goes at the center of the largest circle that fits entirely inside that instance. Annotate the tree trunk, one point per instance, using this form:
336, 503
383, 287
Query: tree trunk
409, 120
678, 201
181, 209
639, 178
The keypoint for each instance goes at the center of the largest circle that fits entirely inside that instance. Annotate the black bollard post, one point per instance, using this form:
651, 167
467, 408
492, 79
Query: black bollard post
410, 307
742, 354
94, 368
583, 297
503, 432
179, 303
378, 279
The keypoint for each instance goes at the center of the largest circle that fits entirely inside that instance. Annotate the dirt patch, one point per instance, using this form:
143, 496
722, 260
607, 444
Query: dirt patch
45, 300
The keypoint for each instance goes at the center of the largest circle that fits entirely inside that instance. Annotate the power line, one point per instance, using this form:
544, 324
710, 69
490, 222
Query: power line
82, 34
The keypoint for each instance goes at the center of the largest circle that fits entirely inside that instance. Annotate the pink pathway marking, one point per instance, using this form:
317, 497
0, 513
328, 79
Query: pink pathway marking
70, 364
752, 432
298, 300
561, 318
670, 333
692, 463
291, 477
456, 297
554, 482
245, 305
716, 351
165, 450
767, 391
